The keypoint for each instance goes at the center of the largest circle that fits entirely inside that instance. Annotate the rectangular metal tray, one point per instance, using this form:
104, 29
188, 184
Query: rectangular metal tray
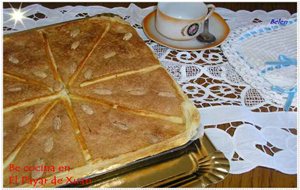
196, 163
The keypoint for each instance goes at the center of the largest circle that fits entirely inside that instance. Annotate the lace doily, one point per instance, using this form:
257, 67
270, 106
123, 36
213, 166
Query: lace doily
251, 130
249, 48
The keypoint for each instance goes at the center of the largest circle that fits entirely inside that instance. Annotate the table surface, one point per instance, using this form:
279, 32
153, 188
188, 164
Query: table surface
258, 177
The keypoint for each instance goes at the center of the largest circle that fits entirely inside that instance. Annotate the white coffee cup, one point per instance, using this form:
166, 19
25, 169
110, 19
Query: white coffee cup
181, 21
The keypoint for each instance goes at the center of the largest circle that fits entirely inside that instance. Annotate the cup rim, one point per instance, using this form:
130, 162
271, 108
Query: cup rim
181, 19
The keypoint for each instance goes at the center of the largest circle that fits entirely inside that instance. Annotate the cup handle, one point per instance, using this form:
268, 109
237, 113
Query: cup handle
211, 9
193, 29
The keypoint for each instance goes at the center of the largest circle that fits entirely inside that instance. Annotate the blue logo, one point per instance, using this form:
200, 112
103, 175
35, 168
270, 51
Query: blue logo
279, 21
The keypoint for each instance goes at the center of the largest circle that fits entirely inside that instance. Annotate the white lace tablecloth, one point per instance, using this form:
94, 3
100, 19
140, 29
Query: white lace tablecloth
250, 129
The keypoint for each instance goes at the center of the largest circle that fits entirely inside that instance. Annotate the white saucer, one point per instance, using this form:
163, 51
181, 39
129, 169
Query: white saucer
217, 26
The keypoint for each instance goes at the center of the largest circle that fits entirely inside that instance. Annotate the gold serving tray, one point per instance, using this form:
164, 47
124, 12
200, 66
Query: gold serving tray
197, 164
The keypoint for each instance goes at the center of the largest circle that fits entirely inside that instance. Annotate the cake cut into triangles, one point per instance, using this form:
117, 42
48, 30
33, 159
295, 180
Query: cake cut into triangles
88, 94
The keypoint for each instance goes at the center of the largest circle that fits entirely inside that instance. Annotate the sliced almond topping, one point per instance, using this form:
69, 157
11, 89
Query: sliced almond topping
127, 36
120, 29
72, 68
137, 92
44, 67
75, 45
26, 119
120, 125
102, 91
48, 145
36, 174
13, 59
88, 74
109, 55
87, 109
56, 123
167, 94
57, 86
40, 74
14, 89
75, 32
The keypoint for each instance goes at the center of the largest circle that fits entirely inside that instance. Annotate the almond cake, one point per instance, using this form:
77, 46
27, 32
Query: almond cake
88, 94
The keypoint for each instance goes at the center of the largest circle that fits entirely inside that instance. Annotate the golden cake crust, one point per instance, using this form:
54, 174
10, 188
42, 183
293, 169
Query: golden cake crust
89, 94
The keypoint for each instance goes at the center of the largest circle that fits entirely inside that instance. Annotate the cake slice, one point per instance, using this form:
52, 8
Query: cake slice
51, 143
18, 123
72, 43
152, 90
119, 132
121, 50
18, 90
27, 56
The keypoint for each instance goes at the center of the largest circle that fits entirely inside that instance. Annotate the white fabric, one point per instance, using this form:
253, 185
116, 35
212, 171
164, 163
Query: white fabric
220, 93
249, 48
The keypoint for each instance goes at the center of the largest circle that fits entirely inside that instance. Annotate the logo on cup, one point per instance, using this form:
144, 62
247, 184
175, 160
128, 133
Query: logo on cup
193, 29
